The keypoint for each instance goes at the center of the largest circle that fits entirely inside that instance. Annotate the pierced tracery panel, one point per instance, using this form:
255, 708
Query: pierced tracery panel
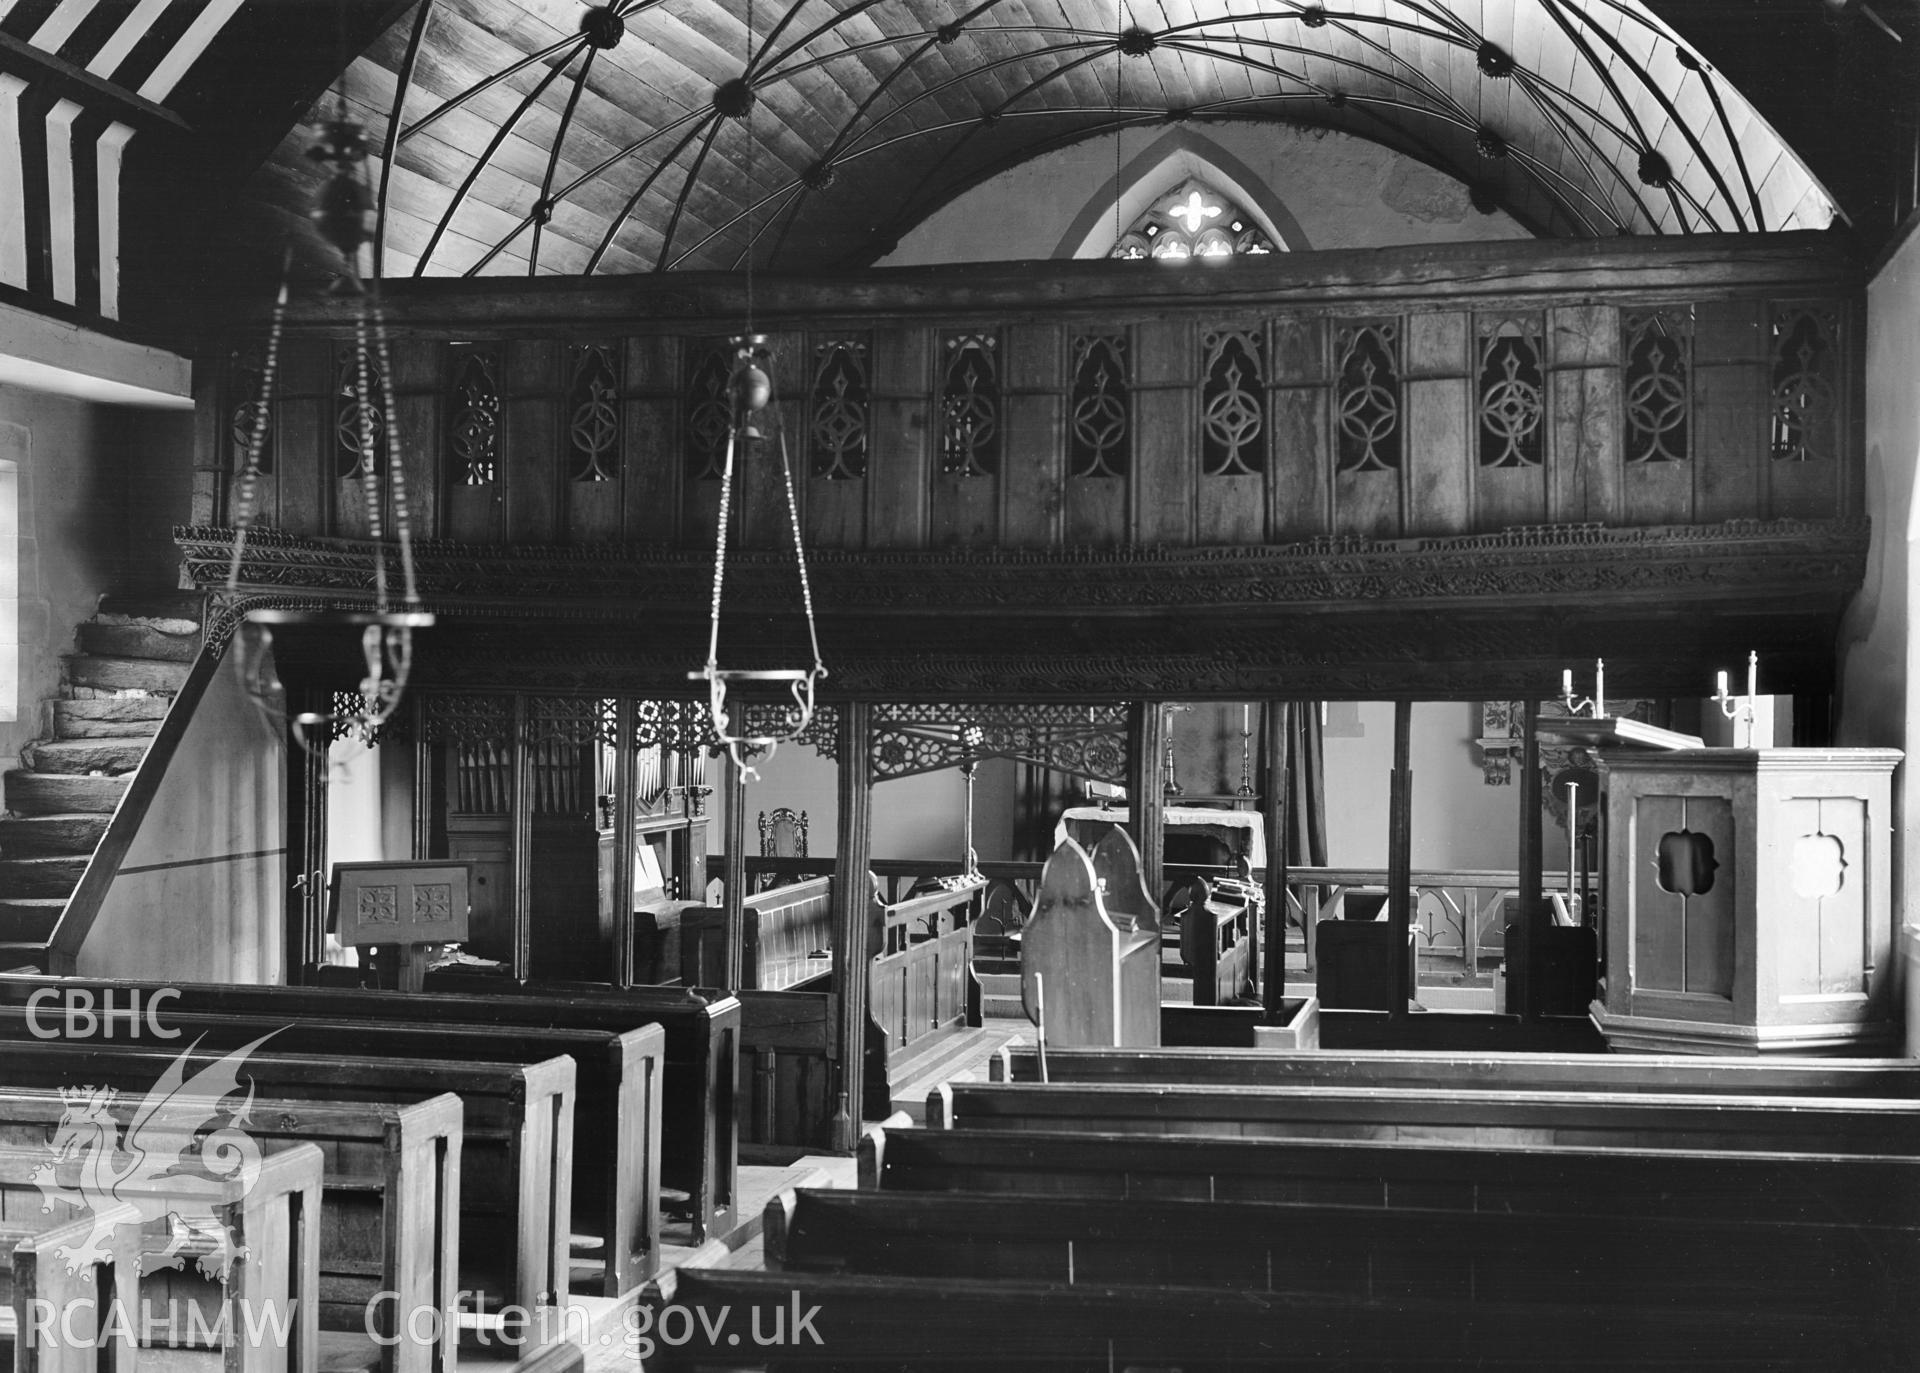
1081, 740
249, 411
708, 414
593, 414
970, 405
1657, 389
1510, 392
1233, 403
1100, 408
478, 732
359, 419
473, 418
1805, 403
1367, 396
838, 409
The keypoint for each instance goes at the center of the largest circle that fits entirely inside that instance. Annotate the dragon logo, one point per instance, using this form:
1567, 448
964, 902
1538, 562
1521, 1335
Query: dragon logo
154, 1165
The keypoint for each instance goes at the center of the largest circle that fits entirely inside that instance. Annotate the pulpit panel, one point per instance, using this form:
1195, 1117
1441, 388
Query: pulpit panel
1822, 904
1709, 913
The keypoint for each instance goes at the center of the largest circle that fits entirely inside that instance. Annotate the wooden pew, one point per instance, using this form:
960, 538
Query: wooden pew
784, 927
624, 1078
266, 1283
1828, 1272
787, 1063
390, 1194
1685, 1073
957, 1325
699, 1141
40, 1289
1859, 1189
1547, 1119
517, 1131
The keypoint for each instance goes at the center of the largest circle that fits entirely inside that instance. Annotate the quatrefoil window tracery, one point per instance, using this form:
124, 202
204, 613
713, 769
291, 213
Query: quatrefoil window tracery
593, 415
1233, 404
1193, 220
1658, 394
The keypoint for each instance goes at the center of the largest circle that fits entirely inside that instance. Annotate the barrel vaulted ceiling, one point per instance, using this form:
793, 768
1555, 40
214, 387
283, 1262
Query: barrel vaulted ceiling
621, 136
552, 136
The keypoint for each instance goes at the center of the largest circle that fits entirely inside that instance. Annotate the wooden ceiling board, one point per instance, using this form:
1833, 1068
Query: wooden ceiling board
1407, 67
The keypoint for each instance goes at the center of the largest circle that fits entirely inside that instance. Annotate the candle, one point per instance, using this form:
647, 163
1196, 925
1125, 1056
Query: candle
1753, 676
1246, 719
1566, 683
1573, 825
1721, 689
1599, 688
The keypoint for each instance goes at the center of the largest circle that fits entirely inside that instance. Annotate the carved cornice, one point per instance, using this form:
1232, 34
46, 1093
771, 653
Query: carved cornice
1541, 564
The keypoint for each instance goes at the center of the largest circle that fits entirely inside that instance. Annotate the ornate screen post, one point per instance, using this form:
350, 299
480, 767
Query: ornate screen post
853, 851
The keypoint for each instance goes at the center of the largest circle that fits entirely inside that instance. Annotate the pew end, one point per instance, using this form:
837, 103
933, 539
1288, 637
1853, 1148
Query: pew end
41, 1283
940, 1107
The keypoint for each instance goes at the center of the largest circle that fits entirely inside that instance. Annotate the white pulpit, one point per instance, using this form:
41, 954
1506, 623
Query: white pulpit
1747, 901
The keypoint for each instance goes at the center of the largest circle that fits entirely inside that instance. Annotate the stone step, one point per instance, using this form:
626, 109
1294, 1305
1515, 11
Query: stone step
47, 836
42, 878
39, 793
111, 717
157, 605
84, 757
121, 674
140, 639
27, 921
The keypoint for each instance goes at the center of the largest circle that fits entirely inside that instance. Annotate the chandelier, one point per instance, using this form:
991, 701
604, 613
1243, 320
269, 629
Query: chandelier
340, 212
756, 726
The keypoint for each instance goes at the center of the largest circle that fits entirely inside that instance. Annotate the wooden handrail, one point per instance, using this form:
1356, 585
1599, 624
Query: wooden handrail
83, 907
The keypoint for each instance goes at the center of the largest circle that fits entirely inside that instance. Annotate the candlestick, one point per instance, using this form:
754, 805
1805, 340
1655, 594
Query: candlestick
1597, 702
1573, 826
1740, 709
1599, 688
1753, 675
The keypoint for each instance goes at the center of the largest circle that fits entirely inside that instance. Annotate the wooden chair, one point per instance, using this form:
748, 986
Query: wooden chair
783, 834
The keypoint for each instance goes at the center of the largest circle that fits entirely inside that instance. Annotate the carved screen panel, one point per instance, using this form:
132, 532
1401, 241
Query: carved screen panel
970, 405
359, 417
707, 411
1367, 402
1657, 391
1233, 392
1099, 433
1509, 392
838, 409
249, 412
1805, 396
593, 413
473, 418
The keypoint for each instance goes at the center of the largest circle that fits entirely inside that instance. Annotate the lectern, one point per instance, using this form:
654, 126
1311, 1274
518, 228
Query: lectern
1748, 901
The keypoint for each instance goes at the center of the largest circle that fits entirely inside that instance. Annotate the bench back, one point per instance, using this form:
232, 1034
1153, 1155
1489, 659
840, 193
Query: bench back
1545, 1119
1861, 1190
1897, 1078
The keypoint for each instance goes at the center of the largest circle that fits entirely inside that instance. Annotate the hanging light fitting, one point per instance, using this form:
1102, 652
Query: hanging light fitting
340, 213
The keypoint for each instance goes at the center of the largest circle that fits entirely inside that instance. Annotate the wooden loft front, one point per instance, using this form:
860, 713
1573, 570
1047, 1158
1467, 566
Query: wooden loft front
1423, 473
1439, 472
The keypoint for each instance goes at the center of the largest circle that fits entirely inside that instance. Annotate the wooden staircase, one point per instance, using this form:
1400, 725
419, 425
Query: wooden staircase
134, 657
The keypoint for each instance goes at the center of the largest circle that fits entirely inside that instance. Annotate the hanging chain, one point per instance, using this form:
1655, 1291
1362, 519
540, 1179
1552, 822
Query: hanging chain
369, 466
257, 436
800, 554
720, 553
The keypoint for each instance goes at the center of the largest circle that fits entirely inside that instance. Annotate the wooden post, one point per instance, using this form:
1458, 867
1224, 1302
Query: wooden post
1146, 780
520, 843
1276, 729
1400, 856
735, 898
623, 841
1520, 988
851, 895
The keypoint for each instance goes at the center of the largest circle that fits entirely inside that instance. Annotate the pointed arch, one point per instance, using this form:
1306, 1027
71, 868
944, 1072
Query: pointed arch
1177, 156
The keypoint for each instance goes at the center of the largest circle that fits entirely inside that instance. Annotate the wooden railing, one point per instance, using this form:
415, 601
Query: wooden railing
1456, 913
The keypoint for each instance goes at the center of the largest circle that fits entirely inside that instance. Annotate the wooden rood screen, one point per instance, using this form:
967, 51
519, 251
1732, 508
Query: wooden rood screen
1425, 391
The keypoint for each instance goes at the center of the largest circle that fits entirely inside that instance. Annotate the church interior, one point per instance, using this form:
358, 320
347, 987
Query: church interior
1083, 684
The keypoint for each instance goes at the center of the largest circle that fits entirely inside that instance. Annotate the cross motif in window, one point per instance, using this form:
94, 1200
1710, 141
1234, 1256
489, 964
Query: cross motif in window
1192, 212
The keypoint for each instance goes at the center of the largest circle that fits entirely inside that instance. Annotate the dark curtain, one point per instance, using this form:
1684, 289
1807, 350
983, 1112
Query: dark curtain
1307, 789
1043, 794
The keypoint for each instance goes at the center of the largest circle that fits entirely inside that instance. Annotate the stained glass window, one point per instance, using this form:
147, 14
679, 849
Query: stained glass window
1193, 220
